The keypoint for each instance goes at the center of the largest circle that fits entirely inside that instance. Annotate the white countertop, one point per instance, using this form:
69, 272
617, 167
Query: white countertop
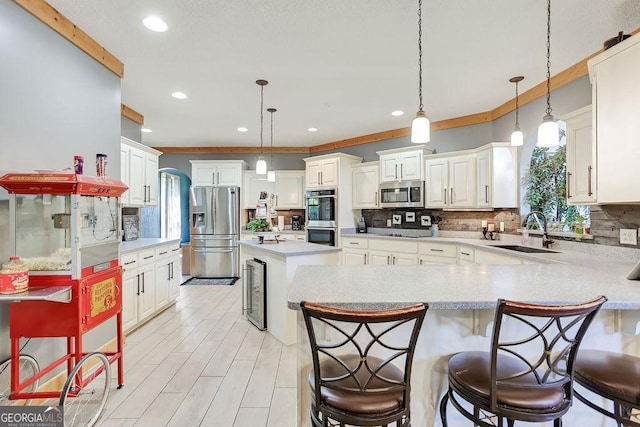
136, 245
288, 248
563, 277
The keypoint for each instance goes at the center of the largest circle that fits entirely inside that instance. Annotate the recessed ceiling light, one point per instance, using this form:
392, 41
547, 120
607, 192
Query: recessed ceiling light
397, 113
145, 130
179, 95
313, 129
155, 24
242, 129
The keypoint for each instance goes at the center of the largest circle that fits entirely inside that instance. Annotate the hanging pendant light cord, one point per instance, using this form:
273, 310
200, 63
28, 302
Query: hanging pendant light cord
261, 115
420, 53
548, 111
271, 153
517, 124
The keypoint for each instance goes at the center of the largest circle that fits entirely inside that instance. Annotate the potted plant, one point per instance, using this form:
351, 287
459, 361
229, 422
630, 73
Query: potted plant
258, 224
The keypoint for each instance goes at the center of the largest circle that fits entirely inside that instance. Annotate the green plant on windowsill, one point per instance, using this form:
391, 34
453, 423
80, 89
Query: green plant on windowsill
258, 224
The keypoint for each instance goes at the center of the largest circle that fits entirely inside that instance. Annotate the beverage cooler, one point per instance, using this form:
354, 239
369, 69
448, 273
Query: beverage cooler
255, 292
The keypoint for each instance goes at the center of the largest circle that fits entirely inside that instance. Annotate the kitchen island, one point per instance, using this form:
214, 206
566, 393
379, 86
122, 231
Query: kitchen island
461, 302
282, 259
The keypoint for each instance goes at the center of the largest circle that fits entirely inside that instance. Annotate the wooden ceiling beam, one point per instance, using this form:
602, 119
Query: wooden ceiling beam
232, 150
131, 114
67, 29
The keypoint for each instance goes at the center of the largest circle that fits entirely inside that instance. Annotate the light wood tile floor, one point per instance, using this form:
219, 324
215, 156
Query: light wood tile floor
201, 363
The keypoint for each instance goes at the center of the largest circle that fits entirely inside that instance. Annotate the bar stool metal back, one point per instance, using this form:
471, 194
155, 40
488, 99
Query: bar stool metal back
527, 375
613, 376
361, 364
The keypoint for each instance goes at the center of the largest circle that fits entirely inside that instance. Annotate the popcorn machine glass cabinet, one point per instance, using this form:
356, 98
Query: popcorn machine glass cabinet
53, 231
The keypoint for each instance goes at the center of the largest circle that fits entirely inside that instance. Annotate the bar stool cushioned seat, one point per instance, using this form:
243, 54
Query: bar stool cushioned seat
527, 374
614, 376
361, 364
348, 399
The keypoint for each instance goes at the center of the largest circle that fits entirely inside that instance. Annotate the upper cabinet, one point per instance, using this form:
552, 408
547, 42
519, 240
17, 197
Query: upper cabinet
451, 181
328, 170
616, 90
217, 172
497, 166
365, 185
322, 173
581, 174
287, 190
402, 164
139, 170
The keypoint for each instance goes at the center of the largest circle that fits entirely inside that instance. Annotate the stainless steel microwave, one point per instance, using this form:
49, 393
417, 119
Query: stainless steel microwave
406, 194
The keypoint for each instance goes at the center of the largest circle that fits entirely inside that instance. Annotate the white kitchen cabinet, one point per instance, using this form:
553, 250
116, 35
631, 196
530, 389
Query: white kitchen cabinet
151, 282
354, 251
175, 266
141, 175
497, 176
146, 284
392, 252
616, 90
581, 152
402, 164
252, 186
436, 253
217, 172
451, 182
466, 255
365, 185
322, 173
129, 291
289, 189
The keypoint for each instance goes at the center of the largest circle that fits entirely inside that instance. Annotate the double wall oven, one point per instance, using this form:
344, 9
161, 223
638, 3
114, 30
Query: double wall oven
322, 216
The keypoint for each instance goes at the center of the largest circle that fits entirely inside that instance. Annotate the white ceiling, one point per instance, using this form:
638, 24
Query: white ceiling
341, 66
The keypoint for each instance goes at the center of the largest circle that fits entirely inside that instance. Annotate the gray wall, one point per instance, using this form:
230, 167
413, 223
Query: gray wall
280, 161
56, 102
130, 129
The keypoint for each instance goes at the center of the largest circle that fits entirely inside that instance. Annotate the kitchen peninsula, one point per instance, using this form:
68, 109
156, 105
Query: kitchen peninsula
282, 259
461, 302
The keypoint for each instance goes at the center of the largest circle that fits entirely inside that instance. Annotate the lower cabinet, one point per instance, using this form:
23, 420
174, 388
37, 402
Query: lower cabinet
389, 252
434, 253
354, 251
150, 281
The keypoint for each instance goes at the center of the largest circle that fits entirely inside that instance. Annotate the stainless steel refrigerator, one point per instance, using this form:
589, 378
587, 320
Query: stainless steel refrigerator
215, 231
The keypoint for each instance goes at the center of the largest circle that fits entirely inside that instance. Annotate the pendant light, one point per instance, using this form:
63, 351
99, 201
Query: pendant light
548, 131
420, 127
271, 175
517, 138
261, 164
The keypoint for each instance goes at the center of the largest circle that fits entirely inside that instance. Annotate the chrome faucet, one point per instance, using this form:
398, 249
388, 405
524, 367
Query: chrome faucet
546, 241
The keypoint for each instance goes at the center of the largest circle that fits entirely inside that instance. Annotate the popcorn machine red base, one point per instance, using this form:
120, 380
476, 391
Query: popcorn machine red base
66, 228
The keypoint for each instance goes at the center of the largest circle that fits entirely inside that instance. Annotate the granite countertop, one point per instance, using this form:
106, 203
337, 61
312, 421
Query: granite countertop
560, 277
136, 245
288, 248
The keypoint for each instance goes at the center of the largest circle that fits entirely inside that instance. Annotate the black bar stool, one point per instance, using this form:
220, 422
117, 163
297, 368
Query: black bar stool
361, 364
527, 374
613, 376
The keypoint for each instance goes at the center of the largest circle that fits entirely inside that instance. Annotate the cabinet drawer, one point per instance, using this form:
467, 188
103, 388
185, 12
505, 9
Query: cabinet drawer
161, 252
434, 249
129, 262
352, 242
393, 245
146, 256
175, 249
466, 254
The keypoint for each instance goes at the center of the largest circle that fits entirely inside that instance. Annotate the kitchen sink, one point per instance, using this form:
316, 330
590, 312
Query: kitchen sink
527, 249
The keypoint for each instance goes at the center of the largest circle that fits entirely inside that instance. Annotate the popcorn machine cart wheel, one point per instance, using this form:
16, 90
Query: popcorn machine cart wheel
66, 228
